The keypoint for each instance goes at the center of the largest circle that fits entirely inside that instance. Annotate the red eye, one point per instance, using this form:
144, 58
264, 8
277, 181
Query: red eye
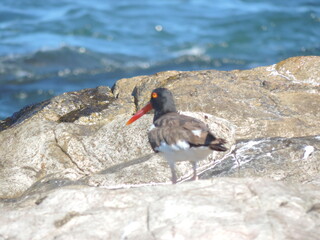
154, 95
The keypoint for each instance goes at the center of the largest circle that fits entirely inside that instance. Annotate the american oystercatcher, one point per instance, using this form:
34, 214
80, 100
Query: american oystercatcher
178, 137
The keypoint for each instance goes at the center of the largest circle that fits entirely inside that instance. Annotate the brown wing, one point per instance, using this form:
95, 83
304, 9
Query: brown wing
173, 127
179, 120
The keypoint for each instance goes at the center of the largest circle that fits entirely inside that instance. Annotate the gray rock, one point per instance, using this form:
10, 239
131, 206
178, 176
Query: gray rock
262, 102
222, 208
286, 159
102, 154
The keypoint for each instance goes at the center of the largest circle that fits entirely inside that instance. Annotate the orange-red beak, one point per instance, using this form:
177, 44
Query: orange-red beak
140, 113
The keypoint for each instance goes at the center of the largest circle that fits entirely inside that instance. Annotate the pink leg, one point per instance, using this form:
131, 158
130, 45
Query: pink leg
173, 172
194, 167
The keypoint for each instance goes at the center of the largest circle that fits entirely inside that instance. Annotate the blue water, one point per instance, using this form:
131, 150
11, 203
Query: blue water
50, 47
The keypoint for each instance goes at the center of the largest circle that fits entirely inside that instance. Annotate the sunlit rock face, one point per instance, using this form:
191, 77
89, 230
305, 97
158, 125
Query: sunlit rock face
51, 152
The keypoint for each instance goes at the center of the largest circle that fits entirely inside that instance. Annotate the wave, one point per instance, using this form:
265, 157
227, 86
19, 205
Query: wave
77, 62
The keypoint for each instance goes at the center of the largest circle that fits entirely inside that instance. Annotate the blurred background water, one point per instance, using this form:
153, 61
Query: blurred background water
53, 46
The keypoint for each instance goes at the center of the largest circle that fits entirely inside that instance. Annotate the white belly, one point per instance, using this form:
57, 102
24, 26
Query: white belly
183, 152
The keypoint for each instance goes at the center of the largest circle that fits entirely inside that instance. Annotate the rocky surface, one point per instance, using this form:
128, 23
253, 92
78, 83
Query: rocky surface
287, 159
51, 152
221, 208
109, 154
278, 100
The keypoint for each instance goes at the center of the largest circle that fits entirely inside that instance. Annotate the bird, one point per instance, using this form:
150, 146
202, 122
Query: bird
178, 137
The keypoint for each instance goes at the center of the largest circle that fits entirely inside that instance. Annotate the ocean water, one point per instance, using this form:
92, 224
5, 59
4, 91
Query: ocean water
50, 47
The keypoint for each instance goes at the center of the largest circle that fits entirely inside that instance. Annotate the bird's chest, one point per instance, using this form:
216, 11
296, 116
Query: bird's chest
178, 154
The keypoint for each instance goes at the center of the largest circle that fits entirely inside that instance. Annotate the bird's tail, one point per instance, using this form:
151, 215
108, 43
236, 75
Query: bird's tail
217, 145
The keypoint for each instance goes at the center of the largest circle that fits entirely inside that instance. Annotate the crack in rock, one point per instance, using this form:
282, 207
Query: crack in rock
148, 222
67, 154
66, 219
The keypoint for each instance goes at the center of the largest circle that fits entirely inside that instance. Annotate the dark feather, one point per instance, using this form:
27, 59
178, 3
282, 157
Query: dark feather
180, 127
